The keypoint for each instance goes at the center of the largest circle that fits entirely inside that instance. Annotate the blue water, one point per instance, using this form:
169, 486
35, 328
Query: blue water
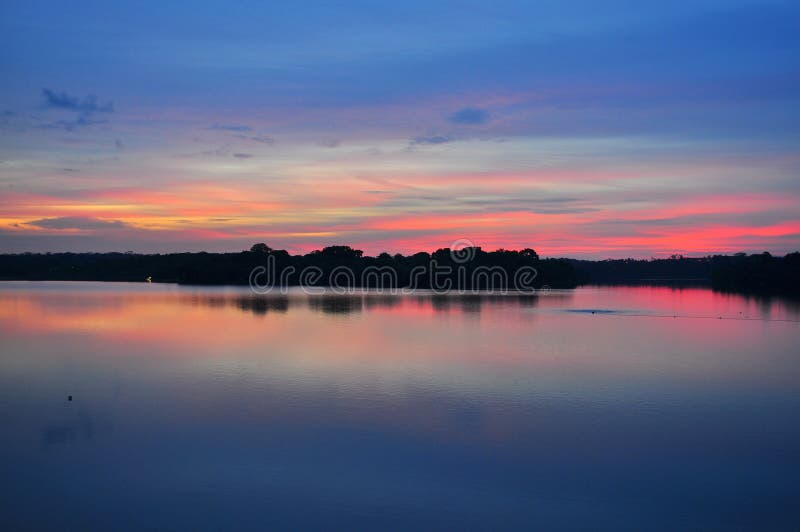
640, 408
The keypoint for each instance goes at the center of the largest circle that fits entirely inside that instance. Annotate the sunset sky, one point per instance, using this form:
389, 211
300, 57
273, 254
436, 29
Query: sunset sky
578, 128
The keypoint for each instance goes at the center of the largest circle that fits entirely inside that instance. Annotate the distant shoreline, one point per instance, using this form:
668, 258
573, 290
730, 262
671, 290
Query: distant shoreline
758, 273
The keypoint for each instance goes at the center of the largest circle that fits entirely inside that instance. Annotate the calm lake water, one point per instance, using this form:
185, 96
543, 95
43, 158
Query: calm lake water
208, 408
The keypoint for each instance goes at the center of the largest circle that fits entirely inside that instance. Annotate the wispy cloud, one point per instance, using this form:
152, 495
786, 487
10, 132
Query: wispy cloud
238, 128
470, 116
222, 151
76, 222
85, 110
263, 139
62, 100
434, 139
70, 125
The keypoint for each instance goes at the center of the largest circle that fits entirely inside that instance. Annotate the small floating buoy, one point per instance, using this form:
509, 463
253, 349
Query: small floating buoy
592, 312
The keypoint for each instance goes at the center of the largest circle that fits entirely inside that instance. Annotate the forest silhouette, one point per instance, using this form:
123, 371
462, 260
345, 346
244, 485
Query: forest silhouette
761, 272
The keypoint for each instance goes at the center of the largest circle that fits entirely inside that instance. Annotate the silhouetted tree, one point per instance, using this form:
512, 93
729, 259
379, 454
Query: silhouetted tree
260, 248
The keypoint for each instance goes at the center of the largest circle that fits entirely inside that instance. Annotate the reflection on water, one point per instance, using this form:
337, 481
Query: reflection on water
355, 302
208, 408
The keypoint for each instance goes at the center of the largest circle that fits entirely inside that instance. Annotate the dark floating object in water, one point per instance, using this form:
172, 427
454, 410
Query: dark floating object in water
594, 311
69, 398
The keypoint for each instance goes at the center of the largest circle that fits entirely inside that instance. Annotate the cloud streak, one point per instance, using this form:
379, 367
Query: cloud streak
470, 116
88, 105
76, 222
237, 128
262, 139
430, 140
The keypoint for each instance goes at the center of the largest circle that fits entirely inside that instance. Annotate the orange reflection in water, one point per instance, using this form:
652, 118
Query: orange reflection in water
599, 346
444, 334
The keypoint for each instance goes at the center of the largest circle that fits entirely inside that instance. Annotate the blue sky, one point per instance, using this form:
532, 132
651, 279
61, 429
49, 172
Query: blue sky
579, 128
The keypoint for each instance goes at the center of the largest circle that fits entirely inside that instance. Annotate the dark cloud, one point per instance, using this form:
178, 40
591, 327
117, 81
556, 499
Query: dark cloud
435, 139
85, 108
63, 100
470, 116
242, 155
76, 222
329, 143
231, 127
118, 143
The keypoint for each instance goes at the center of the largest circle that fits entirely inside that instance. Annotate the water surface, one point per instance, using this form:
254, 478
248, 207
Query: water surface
208, 408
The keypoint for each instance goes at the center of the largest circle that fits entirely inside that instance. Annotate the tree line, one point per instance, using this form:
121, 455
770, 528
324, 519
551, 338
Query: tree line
757, 272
